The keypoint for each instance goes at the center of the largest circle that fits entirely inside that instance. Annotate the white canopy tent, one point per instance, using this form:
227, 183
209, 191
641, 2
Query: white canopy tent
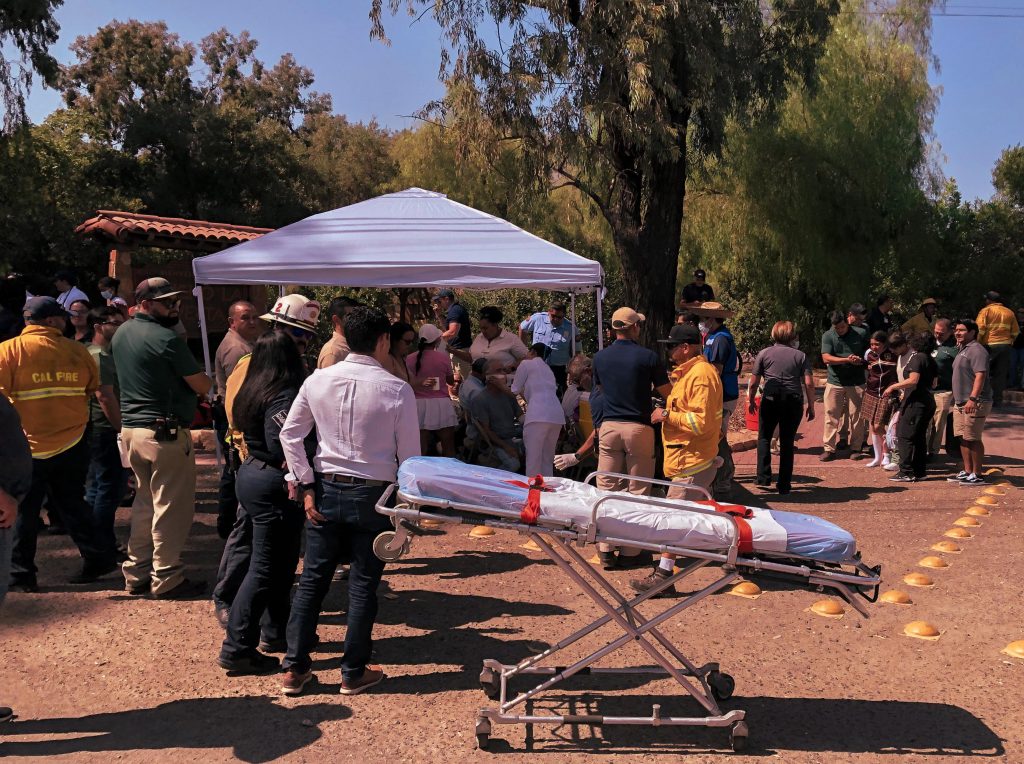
412, 238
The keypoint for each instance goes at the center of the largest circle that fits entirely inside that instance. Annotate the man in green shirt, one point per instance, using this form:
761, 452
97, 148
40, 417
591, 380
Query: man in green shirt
944, 355
160, 382
842, 350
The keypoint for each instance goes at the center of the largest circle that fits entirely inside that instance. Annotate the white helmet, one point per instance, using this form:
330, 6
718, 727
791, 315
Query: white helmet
295, 310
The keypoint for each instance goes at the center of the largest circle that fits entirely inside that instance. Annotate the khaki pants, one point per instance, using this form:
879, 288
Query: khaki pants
943, 405
838, 400
165, 502
704, 479
626, 448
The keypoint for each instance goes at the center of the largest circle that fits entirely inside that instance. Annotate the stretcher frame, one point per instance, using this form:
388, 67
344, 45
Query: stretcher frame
561, 541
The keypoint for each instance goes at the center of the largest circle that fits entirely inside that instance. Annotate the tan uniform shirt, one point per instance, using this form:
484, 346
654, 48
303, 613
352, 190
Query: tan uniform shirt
334, 351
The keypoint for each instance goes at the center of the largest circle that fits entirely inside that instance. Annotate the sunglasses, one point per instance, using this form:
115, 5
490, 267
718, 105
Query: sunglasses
300, 333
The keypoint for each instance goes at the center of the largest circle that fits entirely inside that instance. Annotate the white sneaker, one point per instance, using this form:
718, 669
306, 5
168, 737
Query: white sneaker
957, 477
890, 467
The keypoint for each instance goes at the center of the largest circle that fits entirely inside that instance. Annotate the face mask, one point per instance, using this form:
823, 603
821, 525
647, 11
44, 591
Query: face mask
702, 327
106, 294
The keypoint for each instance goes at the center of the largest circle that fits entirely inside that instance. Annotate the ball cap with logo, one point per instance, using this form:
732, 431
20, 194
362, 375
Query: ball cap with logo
155, 289
683, 334
38, 308
295, 310
624, 318
429, 333
443, 293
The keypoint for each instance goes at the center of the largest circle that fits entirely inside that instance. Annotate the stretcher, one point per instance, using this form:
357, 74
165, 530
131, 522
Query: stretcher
563, 516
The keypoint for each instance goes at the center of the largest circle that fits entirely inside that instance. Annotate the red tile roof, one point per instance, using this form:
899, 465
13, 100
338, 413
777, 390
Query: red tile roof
156, 231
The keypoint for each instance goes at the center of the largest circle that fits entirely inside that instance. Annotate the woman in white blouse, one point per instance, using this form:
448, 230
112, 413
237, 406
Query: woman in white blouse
535, 381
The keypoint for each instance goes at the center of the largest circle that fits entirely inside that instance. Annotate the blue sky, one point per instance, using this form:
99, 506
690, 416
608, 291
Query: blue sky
981, 110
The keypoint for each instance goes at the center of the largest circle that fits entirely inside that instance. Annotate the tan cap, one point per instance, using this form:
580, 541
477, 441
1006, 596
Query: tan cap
624, 318
929, 301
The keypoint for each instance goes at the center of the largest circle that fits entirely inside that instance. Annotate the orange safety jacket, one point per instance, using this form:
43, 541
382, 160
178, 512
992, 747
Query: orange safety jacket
997, 325
49, 379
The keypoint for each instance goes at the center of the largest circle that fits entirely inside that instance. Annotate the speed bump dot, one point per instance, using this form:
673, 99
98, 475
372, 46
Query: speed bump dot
1014, 649
958, 533
946, 546
595, 560
993, 471
995, 490
531, 545
978, 511
933, 562
828, 609
967, 522
896, 597
747, 589
919, 580
921, 630
988, 501
481, 531
428, 523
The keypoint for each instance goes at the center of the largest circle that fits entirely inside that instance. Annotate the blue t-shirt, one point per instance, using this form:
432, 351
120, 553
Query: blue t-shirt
720, 348
557, 338
626, 373
459, 315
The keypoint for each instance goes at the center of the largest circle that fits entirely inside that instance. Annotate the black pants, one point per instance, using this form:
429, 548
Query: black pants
227, 503
276, 534
784, 413
999, 369
61, 481
912, 434
560, 379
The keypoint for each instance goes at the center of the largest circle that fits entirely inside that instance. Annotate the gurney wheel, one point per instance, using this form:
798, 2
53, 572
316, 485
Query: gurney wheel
489, 684
738, 736
381, 543
483, 733
722, 685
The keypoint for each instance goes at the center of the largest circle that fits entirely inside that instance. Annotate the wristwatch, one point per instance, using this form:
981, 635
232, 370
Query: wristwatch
973, 398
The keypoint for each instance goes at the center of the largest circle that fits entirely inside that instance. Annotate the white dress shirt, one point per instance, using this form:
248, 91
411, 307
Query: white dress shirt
535, 381
365, 421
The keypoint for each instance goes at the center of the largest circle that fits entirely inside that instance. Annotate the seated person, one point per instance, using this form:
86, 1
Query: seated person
496, 412
468, 390
577, 387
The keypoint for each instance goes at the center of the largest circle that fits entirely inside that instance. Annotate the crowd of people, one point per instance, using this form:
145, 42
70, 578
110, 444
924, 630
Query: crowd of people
96, 395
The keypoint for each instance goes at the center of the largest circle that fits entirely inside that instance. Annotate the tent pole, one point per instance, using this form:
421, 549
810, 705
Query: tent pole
197, 292
600, 329
572, 325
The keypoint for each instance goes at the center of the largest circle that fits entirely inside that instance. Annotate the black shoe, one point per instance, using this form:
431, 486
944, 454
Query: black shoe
140, 589
6, 714
250, 663
903, 479
27, 585
273, 645
784, 491
827, 456
763, 483
185, 590
642, 560
93, 569
657, 576
609, 561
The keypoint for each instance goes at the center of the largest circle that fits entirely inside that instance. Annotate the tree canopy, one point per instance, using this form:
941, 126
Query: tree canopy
27, 30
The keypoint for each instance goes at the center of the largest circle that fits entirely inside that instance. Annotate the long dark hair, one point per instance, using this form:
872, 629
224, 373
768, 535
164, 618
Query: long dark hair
275, 366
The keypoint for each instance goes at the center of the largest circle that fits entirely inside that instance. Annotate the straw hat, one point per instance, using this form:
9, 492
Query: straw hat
712, 310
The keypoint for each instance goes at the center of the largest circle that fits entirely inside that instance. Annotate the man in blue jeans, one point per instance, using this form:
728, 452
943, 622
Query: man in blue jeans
15, 481
366, 425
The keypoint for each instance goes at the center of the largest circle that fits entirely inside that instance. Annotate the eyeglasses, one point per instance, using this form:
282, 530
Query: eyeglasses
168, 303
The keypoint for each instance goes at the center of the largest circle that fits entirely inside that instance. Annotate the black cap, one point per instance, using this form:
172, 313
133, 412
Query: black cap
683, 334
993, 296
66, 275
699, 274
38, 308
443, 293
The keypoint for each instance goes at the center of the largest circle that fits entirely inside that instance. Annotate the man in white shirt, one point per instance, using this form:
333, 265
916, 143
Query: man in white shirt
66, 282
366, 425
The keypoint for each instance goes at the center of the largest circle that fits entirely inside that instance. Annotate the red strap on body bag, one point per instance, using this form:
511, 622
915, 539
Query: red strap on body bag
739, 515
531, 509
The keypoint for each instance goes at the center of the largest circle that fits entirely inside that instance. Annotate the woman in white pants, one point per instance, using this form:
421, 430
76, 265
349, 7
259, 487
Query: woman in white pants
535, 381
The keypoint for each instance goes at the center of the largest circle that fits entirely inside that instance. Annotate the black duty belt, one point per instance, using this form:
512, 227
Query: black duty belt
348, 479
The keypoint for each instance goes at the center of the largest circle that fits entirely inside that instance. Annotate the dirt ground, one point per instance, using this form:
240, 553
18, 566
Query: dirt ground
97, 676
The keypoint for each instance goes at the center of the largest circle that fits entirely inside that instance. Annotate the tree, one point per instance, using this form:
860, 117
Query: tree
1008, 176
30, 27
615, 97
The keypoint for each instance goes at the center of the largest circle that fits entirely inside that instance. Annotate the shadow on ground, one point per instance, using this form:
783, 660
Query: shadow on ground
255, 729
777, 726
